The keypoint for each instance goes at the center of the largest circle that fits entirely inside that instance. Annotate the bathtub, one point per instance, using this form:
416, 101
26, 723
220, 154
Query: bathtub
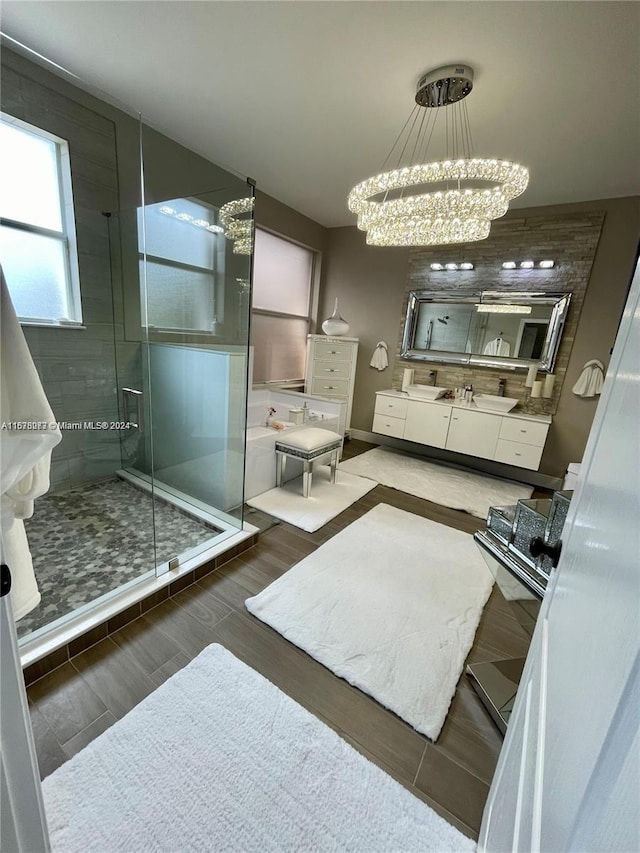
260, 470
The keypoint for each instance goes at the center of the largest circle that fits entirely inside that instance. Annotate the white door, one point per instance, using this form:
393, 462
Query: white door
23, 827
568, 778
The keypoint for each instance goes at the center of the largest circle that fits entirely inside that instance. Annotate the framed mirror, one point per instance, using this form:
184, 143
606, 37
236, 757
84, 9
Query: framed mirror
490, 328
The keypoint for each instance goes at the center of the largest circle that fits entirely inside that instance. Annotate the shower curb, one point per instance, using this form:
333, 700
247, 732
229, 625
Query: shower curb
33, 672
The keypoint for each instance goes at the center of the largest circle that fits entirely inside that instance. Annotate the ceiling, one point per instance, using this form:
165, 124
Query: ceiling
308, 97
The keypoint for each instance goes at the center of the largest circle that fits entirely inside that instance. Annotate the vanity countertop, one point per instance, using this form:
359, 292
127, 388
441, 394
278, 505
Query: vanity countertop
470, 407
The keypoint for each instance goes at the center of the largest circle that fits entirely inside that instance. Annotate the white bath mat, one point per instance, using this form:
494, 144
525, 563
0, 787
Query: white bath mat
473, 493
217, 758
391, 604
325, 501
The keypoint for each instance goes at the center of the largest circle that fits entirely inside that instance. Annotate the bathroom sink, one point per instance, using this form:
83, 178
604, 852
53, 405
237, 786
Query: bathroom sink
494, 404
426, 392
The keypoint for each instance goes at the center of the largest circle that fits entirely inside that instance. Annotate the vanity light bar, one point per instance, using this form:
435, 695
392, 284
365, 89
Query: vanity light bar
465, 265
527, 265
488, 308
506, 265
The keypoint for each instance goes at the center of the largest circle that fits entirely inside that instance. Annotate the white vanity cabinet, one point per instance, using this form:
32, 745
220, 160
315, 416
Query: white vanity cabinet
426, 423
521, 442
389, 415
473, 433
331, 368
513, 439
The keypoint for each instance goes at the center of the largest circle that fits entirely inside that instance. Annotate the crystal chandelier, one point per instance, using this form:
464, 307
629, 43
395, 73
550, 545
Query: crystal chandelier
236, 229
457, 197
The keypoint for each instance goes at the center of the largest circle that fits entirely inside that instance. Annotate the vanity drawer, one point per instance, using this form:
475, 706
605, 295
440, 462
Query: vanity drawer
388, 425
525, 432
518, 453
333, 351
396, 407
330, 387
331, 369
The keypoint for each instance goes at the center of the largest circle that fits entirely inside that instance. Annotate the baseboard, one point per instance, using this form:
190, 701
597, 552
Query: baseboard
458, 460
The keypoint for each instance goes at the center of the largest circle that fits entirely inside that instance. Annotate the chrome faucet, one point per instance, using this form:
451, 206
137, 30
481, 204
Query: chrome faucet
432, 377
501, 387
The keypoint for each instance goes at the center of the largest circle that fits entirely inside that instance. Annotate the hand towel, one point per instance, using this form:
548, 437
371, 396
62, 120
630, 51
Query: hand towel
380, 358
591, 379
25, 454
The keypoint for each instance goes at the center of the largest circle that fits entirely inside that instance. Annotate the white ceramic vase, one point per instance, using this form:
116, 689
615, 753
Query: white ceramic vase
335, 325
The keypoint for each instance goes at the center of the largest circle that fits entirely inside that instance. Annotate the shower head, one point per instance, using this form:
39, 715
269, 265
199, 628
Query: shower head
443, 319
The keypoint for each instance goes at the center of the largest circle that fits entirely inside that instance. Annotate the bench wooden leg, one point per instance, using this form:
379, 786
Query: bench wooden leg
280, 463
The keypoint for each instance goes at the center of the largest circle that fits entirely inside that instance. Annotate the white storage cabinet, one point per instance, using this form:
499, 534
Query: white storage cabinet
331, 369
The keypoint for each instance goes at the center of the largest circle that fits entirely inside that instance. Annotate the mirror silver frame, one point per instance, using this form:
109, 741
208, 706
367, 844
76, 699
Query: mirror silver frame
560, 302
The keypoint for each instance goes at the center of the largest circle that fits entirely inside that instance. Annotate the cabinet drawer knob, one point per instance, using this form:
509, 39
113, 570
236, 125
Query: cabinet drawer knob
330, 369
454, 419
518, 454
523, 430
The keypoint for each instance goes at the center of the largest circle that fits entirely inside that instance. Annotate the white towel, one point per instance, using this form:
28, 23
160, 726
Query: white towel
380, 358
591, 379
25, 454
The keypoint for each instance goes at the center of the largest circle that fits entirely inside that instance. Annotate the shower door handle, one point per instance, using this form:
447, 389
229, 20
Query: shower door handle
127, 393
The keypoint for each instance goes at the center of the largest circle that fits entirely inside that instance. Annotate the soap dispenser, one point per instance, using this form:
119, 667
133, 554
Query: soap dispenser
305, 410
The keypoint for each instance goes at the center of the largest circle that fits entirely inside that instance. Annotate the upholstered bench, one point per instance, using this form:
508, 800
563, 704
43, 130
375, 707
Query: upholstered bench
307, 445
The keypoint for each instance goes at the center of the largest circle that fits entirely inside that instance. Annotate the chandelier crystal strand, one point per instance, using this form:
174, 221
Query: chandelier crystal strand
482, 187
238, 230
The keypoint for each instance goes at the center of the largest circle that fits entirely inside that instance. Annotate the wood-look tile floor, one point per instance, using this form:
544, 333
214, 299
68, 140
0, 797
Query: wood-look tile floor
79, 700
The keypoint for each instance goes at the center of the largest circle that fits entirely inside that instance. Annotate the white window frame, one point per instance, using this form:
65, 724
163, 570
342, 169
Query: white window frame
310, 316
67, 236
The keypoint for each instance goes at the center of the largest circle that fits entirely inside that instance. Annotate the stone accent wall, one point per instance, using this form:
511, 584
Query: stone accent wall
570, 240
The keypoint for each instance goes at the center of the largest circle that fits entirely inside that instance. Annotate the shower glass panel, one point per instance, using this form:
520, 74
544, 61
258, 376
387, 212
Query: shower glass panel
195, 306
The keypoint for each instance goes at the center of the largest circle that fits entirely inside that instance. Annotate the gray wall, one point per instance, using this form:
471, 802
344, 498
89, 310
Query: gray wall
371, 283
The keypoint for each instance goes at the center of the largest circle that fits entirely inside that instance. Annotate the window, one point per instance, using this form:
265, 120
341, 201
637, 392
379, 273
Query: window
281, 307
37, 225
184, 251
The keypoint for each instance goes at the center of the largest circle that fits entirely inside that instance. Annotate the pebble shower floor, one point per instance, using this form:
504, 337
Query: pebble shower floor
91, 540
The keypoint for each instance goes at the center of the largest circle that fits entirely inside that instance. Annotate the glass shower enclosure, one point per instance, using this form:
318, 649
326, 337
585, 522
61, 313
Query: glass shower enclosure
156, 377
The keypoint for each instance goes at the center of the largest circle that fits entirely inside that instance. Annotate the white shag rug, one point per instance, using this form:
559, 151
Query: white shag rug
473, 493
218, 759
325, 501
391, 604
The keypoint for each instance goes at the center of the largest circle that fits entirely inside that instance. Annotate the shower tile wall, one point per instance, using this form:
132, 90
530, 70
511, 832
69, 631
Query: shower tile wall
78, 366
